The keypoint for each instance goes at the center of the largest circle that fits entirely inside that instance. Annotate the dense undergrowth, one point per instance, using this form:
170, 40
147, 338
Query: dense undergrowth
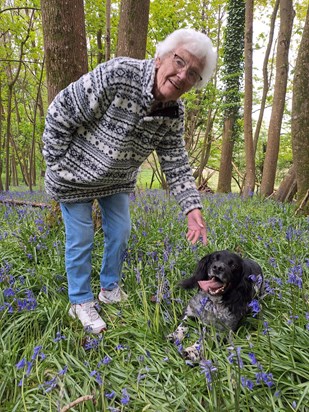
47, 360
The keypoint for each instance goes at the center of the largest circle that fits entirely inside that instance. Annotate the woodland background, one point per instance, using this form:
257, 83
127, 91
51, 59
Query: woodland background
249, 128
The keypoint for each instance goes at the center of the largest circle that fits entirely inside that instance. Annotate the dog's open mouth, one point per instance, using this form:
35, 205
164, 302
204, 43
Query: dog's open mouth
213, 286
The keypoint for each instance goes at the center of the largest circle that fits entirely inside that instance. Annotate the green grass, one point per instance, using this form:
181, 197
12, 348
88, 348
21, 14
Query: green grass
47, 361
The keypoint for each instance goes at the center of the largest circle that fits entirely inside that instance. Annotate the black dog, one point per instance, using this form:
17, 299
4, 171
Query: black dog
227, 284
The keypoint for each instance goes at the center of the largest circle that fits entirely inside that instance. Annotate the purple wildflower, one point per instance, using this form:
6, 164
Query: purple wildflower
8, 292
267, 378
92, 343
208, 370
21, 364
63, 371
37, 352
105, 361
252, 358
59, 337
29, 367
110, 395
125, 397
247, 383
266, 328
255, 307
97, 377
295, 276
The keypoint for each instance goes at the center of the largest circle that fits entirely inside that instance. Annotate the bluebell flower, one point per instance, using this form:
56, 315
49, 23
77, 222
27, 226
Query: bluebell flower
292, 318
48, 386
207, 369
59, 337
119, 347
266, 328
21, 364
141, 376
230, 357
255, 307
105, 361
252, 358
36, 352
295, 276
239, 359
267, 378
63, 371
97, 377
125, 397
8, 292
110, 395
92, 343
29, 367
247, 383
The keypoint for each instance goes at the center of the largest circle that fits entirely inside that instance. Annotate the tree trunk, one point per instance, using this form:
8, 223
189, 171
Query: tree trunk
266, 79
249, 150
1, 151
225, 171
108, 30
300, 120
282, 65
288, 187
64, 43
233, 73
133, 26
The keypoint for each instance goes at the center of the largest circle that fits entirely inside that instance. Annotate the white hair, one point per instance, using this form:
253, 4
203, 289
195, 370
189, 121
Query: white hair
194, 42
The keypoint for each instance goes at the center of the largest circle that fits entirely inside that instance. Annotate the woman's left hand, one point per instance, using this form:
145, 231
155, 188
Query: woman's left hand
196, 227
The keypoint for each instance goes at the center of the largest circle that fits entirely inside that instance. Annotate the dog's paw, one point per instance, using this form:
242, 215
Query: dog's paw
178, 335
193, 353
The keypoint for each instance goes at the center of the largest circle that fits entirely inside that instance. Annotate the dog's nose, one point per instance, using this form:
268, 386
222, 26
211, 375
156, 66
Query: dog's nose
218, 267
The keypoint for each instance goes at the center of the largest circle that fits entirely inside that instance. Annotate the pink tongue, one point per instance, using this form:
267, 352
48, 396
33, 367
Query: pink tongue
209, 284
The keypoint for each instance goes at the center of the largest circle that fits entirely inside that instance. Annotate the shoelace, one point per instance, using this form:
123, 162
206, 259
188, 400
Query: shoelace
91, 311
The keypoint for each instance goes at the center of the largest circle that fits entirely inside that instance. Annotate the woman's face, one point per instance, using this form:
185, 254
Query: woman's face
171, 81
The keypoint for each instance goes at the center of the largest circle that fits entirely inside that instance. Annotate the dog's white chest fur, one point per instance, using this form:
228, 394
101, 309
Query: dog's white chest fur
211, 310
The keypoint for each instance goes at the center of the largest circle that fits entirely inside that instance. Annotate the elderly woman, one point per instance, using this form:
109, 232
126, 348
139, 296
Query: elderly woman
98, 132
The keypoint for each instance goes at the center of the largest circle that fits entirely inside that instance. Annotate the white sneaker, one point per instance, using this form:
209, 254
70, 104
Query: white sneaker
112, 296
89, 317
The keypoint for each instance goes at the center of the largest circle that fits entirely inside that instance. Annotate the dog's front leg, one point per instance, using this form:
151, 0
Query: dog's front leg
193, 353
179, 334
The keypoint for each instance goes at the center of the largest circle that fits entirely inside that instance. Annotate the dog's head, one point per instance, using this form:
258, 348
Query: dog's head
222, 272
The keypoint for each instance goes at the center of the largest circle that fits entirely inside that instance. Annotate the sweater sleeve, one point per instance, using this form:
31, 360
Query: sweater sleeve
174, 162
78, 104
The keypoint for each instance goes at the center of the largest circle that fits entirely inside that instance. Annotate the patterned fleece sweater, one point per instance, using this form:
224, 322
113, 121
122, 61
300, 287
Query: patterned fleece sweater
101, 128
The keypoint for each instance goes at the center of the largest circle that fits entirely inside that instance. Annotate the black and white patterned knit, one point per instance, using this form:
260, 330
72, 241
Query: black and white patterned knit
101, 128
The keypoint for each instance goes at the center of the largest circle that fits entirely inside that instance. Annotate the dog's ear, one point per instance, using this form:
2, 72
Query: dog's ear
200, 273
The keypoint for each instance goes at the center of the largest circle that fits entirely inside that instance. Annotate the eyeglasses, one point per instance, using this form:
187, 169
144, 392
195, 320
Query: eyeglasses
191, 75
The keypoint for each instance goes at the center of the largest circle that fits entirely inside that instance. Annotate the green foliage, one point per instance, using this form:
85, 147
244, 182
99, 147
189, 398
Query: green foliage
233, 56
47, 360
95, 19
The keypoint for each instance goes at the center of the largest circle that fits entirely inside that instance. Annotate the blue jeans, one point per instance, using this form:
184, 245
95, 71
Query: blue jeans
79, 232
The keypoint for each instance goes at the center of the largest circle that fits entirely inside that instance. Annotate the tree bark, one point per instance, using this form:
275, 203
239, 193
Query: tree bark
266, 79
133, 26
108, 30
300, 120
225, 171
288, 187
233, 73
64, 43
248, 135
282, 66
